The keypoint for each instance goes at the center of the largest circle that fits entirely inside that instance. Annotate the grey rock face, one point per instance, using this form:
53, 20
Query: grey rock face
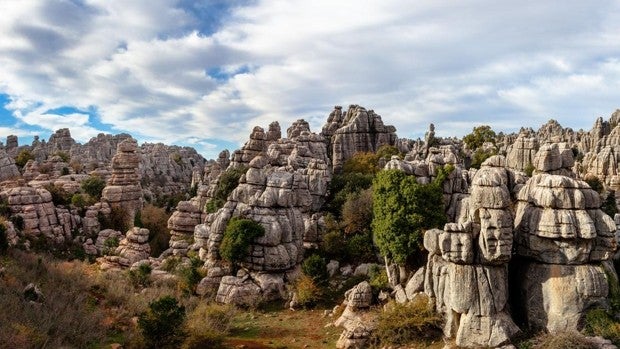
123, 190
8, 169
132, 249
357, 321
466, 274
358, 130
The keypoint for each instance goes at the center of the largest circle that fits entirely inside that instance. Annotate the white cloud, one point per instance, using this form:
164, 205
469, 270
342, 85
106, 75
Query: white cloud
144, 66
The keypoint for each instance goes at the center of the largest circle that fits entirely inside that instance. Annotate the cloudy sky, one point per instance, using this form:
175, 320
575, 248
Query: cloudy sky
203, 73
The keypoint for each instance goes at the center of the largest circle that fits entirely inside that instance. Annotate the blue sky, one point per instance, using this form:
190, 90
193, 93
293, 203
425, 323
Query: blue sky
203, 73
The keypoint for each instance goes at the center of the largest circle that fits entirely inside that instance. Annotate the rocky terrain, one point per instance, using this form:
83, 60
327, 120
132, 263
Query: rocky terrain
527, 246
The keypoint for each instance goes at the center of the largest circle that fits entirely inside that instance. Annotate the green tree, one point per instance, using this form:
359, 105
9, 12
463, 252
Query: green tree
161, 324
403, 210
228, 181
23, 157
362, 162
479, 136
93, 186
238, 236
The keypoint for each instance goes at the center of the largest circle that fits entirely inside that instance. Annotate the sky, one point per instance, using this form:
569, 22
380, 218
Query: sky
203, 73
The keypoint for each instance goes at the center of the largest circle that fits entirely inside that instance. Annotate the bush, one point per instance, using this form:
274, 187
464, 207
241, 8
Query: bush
362, 162
191, 275
378, 279
208, 325
595, 183
529, 170
226, 183
404, 323
161, 324
23, 157
480, 156
344, 184
117, 220
307, 291
334, 245
238, 236
600, 323
316, 268
357, 212
63, 156
140, 277
93, 186
59, 194
5, 209
155, 219
64, 171
360, 248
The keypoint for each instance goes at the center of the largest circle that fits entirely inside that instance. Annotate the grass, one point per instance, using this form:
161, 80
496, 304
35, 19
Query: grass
283, 328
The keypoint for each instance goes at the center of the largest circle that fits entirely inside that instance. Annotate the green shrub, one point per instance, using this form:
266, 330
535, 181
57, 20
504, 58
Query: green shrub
529, 170
360, 248
316, 268
93, 186
191, 275
59, 194
600, 323
63, 156
227, 182
480, 156
161, 324
116, 220
238, 236
334, 245
23, 157
140, 277
400, 324
357, 212
64, 171
344, 184
378, 279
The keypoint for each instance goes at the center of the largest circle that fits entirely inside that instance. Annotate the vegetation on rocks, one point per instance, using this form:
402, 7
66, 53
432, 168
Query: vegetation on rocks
238, 236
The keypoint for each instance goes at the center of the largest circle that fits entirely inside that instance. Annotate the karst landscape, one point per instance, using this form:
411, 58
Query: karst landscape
349, 237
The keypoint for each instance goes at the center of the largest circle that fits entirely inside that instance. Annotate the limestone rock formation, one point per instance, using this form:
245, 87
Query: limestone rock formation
466, 272
521, 154
357, 321
40, 216
123, 191
562, 236
181, 224
8, 169
358, 130
132, 249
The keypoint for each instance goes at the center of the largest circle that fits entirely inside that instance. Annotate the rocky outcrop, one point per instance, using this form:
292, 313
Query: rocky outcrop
123, 191
182, 224
40, 217
358, 322
466, 272
358, 130
132, 249
562, 237
554, 158
8, 169
521, 154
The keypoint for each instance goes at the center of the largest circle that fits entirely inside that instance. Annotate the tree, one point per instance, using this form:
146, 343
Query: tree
238, 236
93, 186
23, 157
479, 136
403, 210
161, 325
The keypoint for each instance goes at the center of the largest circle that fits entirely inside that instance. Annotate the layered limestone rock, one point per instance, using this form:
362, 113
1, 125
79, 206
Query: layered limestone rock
554, 158
357, 130
182, 224
562, 238
278, 198
520, 155
8, 169
40, 216
357, 320
256, 146
123, 191
132, 249
466, 272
